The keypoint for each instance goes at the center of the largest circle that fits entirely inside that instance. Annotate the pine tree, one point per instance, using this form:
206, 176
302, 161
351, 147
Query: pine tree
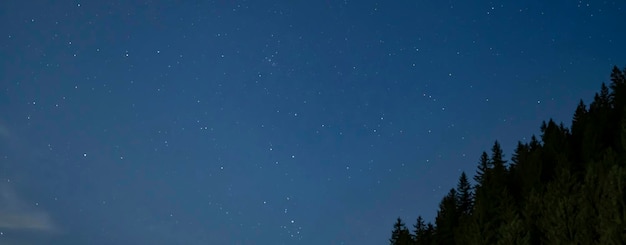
559, 212
477, 229
618, 99
531, 214
519, 160
520, 153
484, 165
497, 157
590, 198
579, 125
447, 219
623, 136
554, 150
480, 228
568, 188
612, 204
601, 130
499, 175
618, 87
400, 235
464, 197
579, 116
429, 234
534, 143
602, 100
420, 231
512, 230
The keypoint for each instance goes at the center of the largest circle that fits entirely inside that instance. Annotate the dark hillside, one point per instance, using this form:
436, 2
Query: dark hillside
567, 186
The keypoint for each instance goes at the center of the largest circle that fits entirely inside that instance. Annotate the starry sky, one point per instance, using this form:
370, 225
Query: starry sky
273, 122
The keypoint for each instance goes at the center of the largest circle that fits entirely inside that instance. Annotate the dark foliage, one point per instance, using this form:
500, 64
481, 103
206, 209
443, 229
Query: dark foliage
569, 187
400, 234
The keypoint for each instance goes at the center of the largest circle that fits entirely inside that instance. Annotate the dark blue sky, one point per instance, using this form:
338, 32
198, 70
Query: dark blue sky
273, 122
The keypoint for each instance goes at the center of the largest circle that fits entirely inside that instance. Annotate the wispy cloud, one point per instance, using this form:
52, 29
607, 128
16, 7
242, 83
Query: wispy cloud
21, 221
5, 133
16, 214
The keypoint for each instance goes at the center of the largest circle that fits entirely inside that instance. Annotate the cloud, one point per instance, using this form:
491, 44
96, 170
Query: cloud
17, 215
5, 133
7, 137
21, 221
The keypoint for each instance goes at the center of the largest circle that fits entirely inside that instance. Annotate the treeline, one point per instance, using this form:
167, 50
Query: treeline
566, 187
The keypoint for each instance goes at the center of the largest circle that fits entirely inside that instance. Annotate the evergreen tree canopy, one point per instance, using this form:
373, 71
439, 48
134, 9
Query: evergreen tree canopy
400, 235
464, 197
567, 188
447, 219
420, 231
484, 165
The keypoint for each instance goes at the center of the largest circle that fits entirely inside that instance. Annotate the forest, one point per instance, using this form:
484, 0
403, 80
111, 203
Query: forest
567, 186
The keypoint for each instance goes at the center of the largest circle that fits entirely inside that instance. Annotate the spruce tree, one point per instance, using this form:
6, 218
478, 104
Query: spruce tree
559, 212
497, 157
447, 219
579, 125
568, 188
534, 143
484, 165
612, 205
498, 180
623, 136
464, 195
512, 229
420, 231
515, 178
618, 86
429, 234
400, 235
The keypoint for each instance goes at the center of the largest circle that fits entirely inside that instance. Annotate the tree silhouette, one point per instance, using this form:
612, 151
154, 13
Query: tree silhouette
420, 231
464, 197
484, 165
569, 187
400, 234
447, 219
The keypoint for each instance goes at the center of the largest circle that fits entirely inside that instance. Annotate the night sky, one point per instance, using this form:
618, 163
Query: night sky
273, 122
